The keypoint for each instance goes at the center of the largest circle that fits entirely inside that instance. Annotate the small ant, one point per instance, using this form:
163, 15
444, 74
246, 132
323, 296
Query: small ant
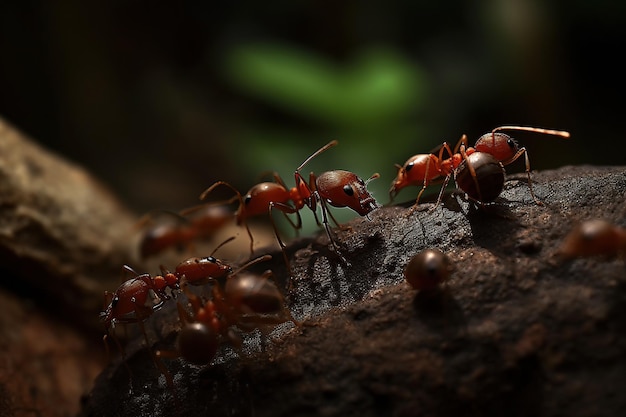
594, 237
245, 301
424, 169
129, 303
427, 270
190, 224
337, 188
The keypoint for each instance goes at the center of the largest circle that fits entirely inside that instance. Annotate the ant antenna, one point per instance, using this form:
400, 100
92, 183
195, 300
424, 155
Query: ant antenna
561, 133
230, 239
374, 176
250, 263
319, 151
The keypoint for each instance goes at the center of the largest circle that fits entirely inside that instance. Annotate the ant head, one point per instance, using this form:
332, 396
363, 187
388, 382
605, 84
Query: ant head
345, 189
415, 171
426, 270
197, 343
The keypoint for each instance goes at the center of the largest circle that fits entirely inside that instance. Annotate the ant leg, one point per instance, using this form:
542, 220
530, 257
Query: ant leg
472, 171
332, 244
241, 217
286, 209
110, 331
462, 142
330, 214
250, 263
440, 196
426, 182
527, 160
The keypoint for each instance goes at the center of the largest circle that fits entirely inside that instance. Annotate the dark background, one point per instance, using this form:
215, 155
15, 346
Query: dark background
161, 100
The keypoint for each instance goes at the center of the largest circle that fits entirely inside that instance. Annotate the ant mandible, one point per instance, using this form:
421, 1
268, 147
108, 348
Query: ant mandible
594, 237
424, 169
337, 188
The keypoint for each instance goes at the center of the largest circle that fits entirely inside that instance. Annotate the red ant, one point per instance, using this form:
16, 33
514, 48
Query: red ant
244, 300
190, 224
423, 169
594, 237
427, 270
129, 303
337, 188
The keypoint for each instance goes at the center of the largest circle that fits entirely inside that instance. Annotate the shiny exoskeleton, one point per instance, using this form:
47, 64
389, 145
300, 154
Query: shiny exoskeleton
427, 270
336, 188
424, 169
593, 238
245, 301
481, 177
131, 302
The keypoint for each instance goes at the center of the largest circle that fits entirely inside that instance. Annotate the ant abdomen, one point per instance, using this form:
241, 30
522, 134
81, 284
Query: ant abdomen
487, 183
197, 343
252, 294
428, 269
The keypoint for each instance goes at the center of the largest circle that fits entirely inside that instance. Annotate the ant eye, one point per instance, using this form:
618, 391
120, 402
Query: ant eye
211, 259
247, 199
408, 167
348, 190
512, 143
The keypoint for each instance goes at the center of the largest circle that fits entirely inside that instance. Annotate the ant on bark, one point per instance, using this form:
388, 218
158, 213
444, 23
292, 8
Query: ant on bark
594, 237
336, 188
130, 302
427, 270
242, 300
184, 228
478, 176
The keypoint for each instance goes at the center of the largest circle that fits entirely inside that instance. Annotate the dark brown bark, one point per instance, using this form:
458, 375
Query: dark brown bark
516, 331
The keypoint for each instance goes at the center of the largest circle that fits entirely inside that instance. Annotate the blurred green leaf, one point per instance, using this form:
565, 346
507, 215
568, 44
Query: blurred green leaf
377, 88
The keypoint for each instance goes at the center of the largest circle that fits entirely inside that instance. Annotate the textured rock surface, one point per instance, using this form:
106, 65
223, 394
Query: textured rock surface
516, 331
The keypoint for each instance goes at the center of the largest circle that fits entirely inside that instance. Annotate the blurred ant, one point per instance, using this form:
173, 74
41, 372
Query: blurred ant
594, 237
424, 169
245, 301
188, 225
427, 270
337, 188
